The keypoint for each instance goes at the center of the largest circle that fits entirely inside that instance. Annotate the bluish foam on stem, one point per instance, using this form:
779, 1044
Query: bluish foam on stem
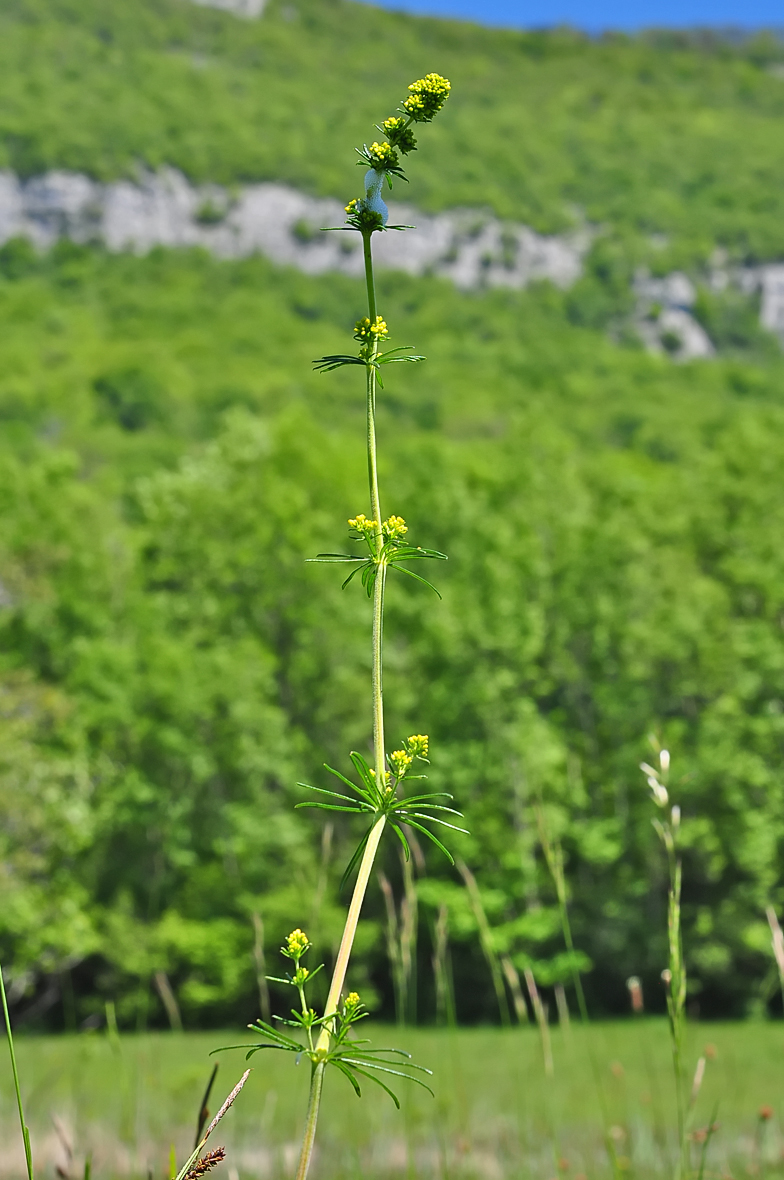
373, 182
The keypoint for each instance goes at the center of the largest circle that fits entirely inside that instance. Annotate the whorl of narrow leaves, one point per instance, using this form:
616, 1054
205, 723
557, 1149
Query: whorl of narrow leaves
382, 799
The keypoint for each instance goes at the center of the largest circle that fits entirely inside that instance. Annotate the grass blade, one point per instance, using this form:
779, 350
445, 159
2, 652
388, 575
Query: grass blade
22, 1123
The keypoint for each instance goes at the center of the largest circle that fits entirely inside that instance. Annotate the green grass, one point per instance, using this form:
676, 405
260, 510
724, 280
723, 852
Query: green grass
493, 1114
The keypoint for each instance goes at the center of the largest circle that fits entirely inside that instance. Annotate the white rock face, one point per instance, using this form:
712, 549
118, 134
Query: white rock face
664, 318
469, 247
772, 303
246, 8
163, 209
766, 280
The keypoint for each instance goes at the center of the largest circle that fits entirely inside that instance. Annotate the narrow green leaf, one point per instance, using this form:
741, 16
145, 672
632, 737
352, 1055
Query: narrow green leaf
412, 823
353, 574
416, 577
399, 1073
355, 858
363, 770
378, 1082
324, 791
401, 837
433, 819
345, 1070
336, 557
359, 809
359, 790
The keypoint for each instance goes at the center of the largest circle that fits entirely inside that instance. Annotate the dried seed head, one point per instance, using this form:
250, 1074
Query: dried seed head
635, 993
699, 1074
226, 1106
658, 790
208, 1161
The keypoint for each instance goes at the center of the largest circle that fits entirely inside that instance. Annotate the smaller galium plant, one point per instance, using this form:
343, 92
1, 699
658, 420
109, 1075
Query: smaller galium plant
380, 792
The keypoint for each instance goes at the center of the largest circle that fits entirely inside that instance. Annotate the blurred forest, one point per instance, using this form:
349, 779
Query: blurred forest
170, 666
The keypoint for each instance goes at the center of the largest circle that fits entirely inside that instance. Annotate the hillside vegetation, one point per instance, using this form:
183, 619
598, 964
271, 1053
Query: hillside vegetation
171, 667
658, 136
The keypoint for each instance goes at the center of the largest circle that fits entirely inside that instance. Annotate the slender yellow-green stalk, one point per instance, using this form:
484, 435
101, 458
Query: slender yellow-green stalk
311, 1118
17, 1089
369, 855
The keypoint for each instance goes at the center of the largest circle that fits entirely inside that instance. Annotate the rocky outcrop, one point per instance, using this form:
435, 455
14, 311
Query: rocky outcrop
246, 8
769, 282
664, 313
469, 247
664, 316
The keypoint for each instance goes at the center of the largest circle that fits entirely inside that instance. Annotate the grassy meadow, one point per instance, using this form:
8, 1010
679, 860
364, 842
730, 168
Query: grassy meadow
125, 1101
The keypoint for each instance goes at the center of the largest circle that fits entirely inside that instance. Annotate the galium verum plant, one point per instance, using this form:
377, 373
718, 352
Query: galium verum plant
377, 793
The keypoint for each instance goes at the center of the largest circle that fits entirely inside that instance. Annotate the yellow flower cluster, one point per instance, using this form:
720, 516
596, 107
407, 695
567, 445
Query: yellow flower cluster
400, 761
400, 134
362, 525
361, 217
382, 156
367, 331
296, 944
417, 745
394, 527
352, 1002
426, 97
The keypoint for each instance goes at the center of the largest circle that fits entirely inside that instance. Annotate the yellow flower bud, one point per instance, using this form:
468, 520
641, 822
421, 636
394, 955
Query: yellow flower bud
296, 944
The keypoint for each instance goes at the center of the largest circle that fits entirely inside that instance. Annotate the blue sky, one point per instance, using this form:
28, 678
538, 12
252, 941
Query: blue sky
595, 15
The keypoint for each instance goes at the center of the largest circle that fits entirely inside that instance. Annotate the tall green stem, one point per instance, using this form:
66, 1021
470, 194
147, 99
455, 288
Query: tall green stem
311, 1121
22, 1123
376, 832
369, 280
375, 509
